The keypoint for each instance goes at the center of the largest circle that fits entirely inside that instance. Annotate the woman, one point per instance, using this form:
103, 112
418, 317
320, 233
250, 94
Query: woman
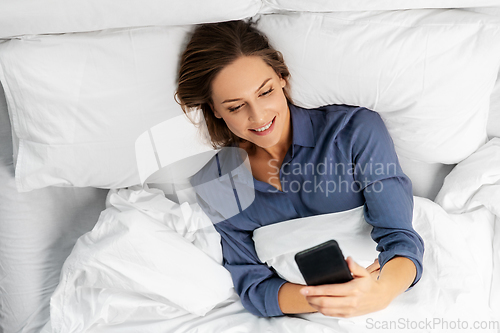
241, 85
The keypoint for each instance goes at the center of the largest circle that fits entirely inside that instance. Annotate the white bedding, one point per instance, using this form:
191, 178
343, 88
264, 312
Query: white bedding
37, 232
276, 244
139, 273
38, 229
455, 283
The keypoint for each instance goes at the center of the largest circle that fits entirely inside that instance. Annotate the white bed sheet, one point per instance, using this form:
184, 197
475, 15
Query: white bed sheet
460, 280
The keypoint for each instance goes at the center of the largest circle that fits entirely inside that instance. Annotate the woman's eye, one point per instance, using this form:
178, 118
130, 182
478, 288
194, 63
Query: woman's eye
235, 108
267, 92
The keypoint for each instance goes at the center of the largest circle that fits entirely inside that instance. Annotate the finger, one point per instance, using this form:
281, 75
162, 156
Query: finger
373, 267
327, 302
338, 289
333, 306
356, 269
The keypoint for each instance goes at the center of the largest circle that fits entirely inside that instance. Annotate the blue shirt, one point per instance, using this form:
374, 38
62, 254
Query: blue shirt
341, 157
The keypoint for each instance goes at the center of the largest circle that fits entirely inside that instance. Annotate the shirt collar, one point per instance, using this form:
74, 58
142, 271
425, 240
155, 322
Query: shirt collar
302, 127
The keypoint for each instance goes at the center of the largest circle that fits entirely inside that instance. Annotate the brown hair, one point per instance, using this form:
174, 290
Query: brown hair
212, 47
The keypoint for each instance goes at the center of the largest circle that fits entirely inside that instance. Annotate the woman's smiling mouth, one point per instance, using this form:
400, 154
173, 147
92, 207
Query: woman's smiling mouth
264, 129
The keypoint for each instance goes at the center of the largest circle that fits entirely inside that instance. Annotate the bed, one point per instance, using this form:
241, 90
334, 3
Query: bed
100, 230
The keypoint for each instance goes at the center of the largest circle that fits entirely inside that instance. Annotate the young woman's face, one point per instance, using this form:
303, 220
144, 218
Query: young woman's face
248, 95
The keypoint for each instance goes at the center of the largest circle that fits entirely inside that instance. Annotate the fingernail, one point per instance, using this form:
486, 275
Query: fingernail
304, 291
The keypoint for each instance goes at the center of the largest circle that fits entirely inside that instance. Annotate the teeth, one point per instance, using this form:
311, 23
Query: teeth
264, 128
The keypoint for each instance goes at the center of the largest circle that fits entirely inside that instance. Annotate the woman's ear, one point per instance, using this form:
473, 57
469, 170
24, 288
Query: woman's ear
283, 82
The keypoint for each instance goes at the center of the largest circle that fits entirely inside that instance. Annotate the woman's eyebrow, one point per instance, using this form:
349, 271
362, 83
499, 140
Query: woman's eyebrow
237, 99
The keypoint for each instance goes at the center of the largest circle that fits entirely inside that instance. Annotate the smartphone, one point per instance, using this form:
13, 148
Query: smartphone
323, 264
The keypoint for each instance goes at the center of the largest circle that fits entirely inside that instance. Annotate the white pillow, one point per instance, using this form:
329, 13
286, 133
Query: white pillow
277, 244
79, 101
60, 16
494, 116
362, 5
474, 182
159, 160
426, 178
429, 73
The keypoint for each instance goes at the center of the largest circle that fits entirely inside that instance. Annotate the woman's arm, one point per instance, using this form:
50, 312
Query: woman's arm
397, 275
366, 142
292, 301
255, 283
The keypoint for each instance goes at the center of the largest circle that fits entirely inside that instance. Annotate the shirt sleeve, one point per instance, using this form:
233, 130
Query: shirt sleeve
386, 189
256, 283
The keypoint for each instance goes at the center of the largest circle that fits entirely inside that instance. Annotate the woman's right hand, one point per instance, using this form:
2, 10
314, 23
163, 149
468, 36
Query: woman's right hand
292, 301
361, 295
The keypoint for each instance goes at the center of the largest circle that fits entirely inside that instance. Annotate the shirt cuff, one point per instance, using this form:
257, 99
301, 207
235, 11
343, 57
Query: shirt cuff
271, 298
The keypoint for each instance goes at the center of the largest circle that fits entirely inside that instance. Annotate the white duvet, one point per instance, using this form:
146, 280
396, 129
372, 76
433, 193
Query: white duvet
151, 265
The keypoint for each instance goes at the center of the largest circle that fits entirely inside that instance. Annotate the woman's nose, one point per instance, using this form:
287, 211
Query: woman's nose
257, 114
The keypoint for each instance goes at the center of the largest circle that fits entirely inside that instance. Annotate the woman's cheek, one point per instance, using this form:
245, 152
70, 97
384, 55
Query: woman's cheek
275, 101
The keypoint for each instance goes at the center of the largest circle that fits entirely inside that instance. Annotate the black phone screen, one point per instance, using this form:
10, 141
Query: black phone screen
323, 264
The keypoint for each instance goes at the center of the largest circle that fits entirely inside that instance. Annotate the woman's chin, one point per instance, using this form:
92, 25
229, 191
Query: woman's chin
266, 142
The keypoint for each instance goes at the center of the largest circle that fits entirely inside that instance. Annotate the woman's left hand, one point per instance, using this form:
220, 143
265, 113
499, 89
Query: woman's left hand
357, 297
